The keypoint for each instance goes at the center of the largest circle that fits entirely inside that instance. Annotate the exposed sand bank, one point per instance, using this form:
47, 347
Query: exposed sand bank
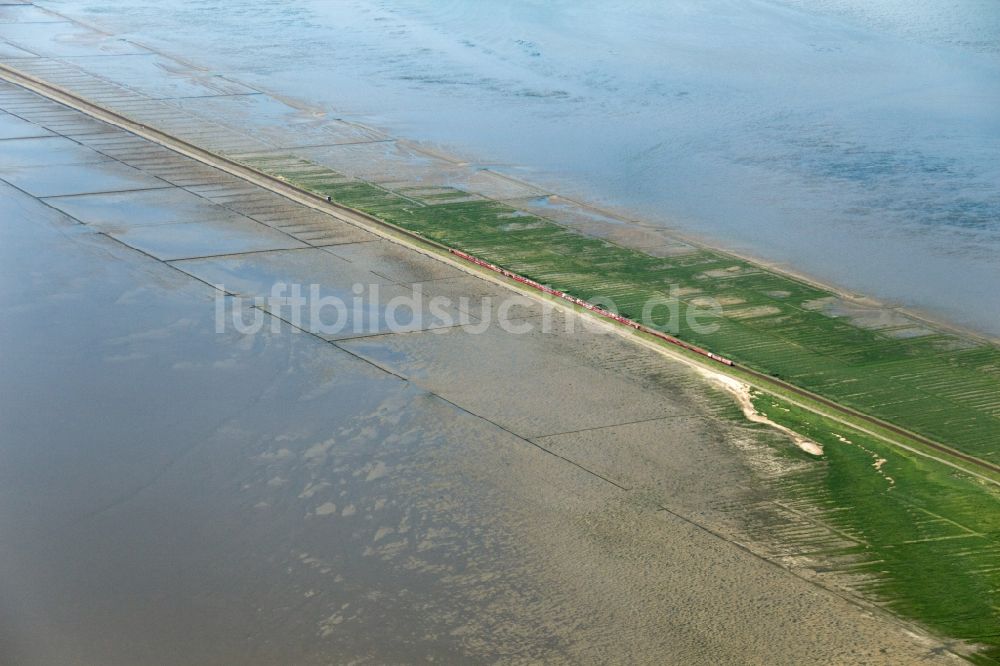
743, 395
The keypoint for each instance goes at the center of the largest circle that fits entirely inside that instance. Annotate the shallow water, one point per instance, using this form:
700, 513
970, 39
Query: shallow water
852, 141
175, 491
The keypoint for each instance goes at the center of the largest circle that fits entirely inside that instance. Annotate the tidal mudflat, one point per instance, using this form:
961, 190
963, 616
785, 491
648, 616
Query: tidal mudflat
172, 494
474, 494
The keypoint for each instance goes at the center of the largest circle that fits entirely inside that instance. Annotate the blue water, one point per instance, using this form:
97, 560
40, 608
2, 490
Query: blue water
854, 141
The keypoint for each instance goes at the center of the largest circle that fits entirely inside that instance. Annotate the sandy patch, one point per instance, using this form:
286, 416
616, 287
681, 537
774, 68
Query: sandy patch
867, 316
743, 397
750, 313
724, 301
732, 271
326, 509
907, 333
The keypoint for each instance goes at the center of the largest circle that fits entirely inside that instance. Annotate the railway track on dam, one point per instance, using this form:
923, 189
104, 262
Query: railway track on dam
877, 427
760, 377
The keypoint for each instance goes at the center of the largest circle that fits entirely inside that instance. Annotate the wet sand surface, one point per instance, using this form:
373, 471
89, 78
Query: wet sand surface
171, 494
